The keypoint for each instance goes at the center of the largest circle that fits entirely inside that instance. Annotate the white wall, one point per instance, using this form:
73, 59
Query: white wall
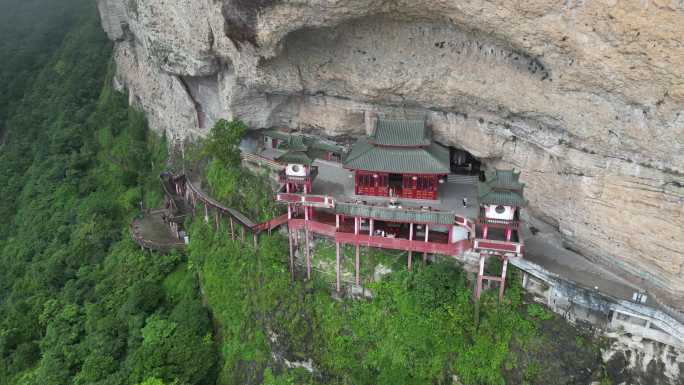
490, 212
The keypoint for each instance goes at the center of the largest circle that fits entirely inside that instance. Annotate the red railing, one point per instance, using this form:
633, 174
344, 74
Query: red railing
403, 244
271, 224
513, 224
307, 199
492, 245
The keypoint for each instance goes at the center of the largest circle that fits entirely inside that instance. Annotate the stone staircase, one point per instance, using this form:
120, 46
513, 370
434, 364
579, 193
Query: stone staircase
462, 179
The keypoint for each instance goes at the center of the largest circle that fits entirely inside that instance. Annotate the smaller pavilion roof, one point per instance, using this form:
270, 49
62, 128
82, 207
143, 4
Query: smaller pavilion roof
295, 157
504, 179
502, 187
402, 133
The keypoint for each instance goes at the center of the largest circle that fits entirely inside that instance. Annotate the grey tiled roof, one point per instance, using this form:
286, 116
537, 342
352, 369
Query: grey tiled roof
295, 157
400, 133
502, 187
395, 214
432, 159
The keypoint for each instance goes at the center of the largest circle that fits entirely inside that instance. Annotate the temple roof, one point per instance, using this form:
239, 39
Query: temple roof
430, 159
295, 157
405, 133
502, 187
504, 179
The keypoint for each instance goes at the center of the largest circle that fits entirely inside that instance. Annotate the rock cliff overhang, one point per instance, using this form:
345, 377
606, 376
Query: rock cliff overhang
585, 98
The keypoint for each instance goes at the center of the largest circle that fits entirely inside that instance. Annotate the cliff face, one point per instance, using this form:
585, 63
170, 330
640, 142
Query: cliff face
586, 98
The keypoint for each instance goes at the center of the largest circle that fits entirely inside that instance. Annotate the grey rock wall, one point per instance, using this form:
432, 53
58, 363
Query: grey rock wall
585, 97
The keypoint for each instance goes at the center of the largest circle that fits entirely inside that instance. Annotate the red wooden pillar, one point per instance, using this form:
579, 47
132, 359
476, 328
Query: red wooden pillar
485, 231
508, 234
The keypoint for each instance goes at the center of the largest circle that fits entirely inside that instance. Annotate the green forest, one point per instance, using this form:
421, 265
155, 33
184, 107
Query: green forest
81, 303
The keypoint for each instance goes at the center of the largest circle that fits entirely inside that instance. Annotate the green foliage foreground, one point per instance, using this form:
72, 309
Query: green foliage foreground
80, 303
420, 327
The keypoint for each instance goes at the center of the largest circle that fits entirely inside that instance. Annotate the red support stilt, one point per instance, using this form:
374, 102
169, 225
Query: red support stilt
503, 279
357, 266
427, 234
289, 238
485, 231
509, 232
337, 266
480, 274
307, 252
410, 254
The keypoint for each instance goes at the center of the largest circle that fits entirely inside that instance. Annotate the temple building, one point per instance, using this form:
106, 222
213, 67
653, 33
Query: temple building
430, 214
298, 174
501, 197
398, 160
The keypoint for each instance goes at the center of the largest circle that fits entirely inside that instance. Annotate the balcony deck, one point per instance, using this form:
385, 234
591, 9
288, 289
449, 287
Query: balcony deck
396, 236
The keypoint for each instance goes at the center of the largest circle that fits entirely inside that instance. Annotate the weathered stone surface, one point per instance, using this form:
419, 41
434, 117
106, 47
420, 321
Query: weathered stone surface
586, 98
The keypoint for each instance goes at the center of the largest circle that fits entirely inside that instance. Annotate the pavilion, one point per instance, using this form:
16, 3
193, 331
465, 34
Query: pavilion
398, 160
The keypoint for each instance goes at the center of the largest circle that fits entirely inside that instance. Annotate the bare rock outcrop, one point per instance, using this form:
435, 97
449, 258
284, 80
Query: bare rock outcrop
586, 98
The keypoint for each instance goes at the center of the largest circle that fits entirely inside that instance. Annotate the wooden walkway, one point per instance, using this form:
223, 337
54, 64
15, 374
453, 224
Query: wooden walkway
153, 233
156, 230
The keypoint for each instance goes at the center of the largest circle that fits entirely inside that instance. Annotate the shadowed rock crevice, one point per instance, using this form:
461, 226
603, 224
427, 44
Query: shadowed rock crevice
241, 18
